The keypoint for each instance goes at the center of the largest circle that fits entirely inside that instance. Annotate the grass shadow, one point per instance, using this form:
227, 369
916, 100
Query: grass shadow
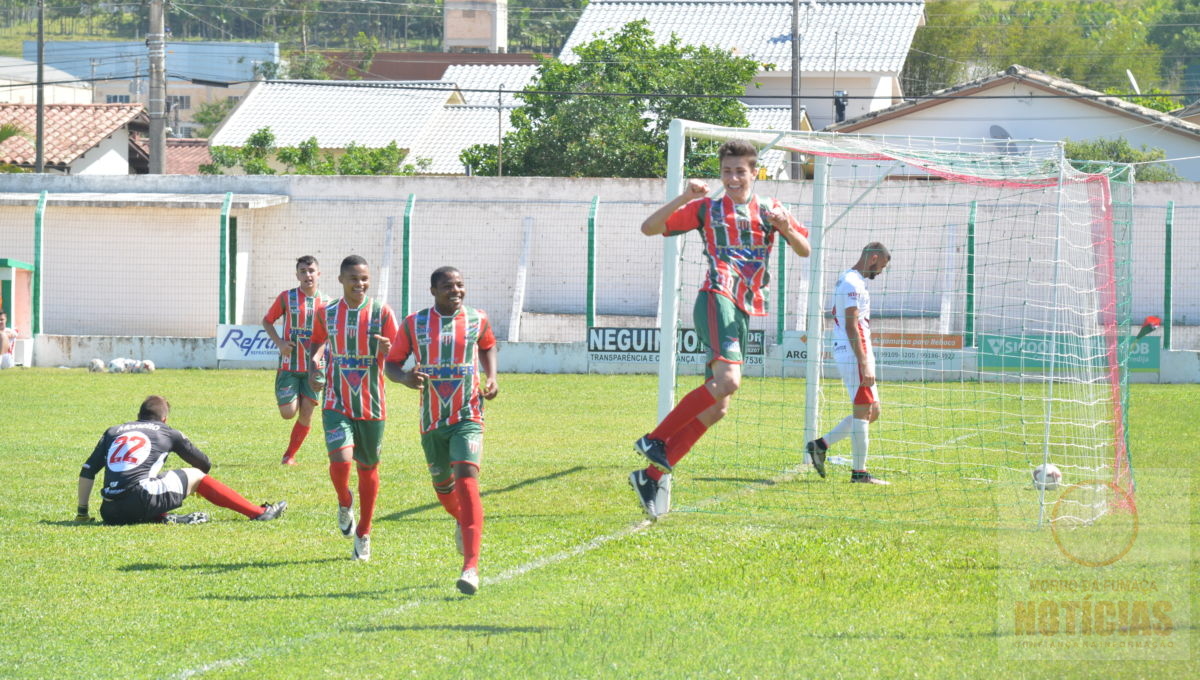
462, 627
490, 492
316, 596
223, 568
737, 480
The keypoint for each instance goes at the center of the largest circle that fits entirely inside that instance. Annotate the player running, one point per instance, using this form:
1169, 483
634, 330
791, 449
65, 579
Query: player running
359, 332
855, 361
8, 342
134, 492
298, 306
444, 340
739, 232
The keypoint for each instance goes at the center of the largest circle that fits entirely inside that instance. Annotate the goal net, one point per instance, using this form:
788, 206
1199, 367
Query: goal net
1000, 331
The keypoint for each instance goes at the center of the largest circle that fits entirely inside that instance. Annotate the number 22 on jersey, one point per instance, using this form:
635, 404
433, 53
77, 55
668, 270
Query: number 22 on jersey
128, 451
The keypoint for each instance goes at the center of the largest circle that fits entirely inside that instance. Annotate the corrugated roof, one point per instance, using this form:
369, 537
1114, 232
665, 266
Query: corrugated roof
479, 82
337, 112
71, 129
455, 129
25, 71
843, 35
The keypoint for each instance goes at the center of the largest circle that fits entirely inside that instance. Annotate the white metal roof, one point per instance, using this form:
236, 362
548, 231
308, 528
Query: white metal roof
870, 36
455, 128
479, 82
23, 71
337, 112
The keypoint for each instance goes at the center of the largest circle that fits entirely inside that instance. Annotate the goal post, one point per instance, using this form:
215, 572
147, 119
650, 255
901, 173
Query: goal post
1000, 330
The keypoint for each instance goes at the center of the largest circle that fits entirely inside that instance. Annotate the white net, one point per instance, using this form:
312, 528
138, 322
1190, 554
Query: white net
1000, 330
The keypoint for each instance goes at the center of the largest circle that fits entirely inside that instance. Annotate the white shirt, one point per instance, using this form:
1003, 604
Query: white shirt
851, 291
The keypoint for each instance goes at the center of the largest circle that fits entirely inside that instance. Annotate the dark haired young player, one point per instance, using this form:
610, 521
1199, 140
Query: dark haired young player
738, 231
359, 332
298, 307
447, 340
136, 491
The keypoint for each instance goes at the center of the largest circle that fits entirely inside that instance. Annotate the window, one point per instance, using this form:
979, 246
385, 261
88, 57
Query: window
232, 100
116, 99
179, 101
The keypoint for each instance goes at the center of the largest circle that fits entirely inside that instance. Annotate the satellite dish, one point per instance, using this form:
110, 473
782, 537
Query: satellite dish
998, 132
1005, 146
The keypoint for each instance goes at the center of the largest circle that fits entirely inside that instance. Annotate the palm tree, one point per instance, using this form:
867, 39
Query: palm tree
8, 130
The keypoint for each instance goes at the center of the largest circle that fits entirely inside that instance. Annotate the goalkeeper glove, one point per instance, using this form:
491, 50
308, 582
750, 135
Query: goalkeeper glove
81, 514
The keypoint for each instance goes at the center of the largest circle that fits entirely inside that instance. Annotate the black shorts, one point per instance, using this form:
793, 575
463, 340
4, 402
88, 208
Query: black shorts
148, 501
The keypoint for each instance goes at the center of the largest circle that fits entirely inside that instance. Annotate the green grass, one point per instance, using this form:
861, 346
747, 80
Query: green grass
761, 572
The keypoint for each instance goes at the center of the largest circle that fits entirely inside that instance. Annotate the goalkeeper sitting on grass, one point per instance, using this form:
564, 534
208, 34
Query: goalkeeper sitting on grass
738, 231
134, 492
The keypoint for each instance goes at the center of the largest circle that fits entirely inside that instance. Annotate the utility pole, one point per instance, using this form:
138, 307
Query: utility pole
158, 89
39, 163
795, 169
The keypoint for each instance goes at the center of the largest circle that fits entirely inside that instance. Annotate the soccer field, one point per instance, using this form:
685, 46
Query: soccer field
761, 572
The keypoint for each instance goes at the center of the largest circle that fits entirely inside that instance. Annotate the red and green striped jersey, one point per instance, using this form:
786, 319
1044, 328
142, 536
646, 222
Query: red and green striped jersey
354, 373
445, 349
298, 311
737, 245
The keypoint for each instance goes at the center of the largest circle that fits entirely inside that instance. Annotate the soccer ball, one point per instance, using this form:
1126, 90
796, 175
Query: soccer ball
147, 366
96, 366
119, 365
1046, 477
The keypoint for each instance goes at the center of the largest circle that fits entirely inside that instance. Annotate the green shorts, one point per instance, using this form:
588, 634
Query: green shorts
717, 317
461, 442
290, 384
364, 436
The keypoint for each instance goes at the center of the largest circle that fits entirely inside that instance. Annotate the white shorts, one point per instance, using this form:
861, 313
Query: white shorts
7, 361
847, 365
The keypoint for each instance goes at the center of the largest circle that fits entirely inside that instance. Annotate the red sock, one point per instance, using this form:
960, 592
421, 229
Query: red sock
692, 405
679, 445
299, 432
339, 473
471, 519
368, 489
448, 499
218, 494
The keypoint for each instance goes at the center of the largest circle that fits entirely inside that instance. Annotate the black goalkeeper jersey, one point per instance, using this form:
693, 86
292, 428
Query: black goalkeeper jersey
136, 451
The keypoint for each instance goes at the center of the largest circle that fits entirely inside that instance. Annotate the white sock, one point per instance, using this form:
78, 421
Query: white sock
858, 443
840, 432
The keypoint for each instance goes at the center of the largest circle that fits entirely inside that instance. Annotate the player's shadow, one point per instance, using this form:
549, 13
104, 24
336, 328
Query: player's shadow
461, 627
358, 595
222, 568
736, 480
490, 492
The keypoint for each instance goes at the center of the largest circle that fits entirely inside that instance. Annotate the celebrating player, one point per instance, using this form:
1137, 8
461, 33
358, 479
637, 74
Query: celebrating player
134, 492
359, 332
443, 339
298, 306
855, 361
739, 231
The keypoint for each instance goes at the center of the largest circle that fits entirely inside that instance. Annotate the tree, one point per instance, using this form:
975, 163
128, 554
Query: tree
1091, 43
1120, 151
8, 130
257, 155
210, 115
1154, 98
578, 120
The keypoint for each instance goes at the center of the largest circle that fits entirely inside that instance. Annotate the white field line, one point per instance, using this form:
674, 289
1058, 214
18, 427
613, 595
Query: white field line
515, 572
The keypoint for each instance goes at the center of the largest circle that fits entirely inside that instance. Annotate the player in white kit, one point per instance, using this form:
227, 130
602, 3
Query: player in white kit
855, 361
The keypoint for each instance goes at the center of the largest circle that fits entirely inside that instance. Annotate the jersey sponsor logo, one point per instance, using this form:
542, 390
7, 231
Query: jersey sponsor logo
128, 451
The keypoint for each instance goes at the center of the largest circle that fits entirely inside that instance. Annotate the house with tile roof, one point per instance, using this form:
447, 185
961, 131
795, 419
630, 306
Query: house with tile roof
338, 113
1021, 103
853, 46
80, 139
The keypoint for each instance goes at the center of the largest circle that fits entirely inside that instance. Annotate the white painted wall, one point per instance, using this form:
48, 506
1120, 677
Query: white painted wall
867, 93
109, 157
153, 271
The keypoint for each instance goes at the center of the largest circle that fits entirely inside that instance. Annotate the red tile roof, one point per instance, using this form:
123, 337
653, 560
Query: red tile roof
71, 129
185, 156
